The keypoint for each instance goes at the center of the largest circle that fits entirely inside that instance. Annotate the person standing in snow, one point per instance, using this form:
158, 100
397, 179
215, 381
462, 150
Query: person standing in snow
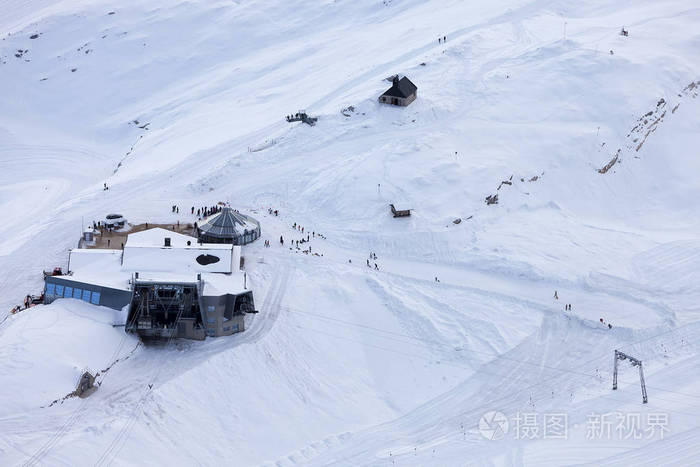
556, 295
281, 240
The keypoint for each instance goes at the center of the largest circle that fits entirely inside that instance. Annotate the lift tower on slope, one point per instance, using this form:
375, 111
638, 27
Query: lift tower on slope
634, 362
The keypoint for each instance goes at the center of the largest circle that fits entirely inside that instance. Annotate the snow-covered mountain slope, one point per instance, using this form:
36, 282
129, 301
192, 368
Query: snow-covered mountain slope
184, 103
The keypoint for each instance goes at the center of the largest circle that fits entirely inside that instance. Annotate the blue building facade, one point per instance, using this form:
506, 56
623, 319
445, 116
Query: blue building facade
65, 287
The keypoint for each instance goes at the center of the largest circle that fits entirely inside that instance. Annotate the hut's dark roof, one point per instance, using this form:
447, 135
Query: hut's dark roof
401, 88
225, 224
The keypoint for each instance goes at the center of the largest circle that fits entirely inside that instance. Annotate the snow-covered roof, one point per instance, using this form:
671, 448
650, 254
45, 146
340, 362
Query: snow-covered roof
221, 284
155, 237
81, 259
182, 260
145, 253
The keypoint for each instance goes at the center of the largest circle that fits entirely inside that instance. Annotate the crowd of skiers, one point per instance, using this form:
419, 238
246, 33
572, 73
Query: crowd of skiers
298, 244
206, 211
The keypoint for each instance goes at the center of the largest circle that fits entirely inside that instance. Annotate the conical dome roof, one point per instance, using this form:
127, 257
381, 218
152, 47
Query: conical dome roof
224, 224
229, 226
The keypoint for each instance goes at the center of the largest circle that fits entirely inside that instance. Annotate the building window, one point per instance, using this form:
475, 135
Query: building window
235, 328
95, 298
211, 308
59, 290
211, 320
78, 293
68, 292
50, 289
86, 295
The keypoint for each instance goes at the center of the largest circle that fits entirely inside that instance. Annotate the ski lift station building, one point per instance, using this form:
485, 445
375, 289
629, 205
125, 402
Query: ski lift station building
171, 284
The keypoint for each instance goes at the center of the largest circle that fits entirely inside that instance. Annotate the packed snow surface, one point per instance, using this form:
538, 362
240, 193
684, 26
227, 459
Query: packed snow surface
588, 137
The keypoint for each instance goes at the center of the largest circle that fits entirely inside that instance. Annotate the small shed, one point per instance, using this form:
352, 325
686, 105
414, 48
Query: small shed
402, 92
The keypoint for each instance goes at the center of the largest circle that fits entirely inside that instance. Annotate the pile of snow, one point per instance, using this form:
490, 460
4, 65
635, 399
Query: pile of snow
47, 349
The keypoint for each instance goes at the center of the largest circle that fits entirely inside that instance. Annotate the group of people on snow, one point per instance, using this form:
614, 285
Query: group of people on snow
567, 307
205, 211
28, 302
372, 256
